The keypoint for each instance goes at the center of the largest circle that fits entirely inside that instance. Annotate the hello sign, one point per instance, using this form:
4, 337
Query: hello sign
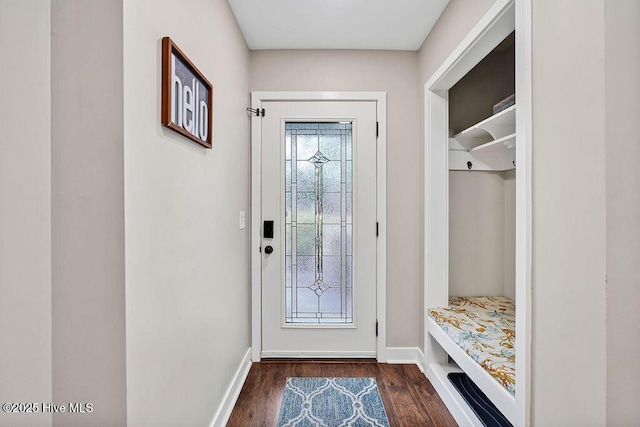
187, 96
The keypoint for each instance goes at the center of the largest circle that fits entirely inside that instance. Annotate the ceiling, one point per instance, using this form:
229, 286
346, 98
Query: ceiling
336, 24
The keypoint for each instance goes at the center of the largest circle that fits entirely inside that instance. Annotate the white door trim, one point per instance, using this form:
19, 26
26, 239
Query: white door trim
497, 23
257, 98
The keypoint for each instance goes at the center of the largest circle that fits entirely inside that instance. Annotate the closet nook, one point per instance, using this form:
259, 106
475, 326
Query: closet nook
472, 178
478, 323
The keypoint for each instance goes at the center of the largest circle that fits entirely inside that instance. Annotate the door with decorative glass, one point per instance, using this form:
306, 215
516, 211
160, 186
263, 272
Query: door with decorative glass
319, 268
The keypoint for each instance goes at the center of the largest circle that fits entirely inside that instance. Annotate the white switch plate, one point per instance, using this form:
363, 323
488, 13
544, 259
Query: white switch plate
242, 220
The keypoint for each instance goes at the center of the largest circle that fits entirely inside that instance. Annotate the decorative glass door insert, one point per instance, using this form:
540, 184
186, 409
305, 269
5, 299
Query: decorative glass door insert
318, 223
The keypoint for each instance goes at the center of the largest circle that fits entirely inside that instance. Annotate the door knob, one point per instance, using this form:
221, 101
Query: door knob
268, 250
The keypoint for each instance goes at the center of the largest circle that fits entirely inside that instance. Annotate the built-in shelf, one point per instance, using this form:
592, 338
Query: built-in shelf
506, 143
488, 145
495, 127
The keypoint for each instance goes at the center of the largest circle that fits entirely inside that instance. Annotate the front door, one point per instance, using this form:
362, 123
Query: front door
318, 229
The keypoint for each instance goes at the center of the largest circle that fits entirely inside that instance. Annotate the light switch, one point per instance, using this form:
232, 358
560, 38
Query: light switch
242, 220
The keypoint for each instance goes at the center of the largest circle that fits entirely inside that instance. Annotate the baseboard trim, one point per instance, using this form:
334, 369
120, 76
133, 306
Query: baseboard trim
233, 391
405, 355
422, 362
318, 354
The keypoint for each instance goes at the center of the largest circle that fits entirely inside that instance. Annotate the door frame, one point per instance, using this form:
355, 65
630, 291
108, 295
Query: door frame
257, 98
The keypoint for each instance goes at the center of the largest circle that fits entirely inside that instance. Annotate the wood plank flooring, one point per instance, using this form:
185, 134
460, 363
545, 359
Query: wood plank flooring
408, 396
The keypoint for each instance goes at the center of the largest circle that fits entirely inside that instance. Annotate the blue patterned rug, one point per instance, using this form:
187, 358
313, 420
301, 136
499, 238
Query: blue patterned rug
332, 402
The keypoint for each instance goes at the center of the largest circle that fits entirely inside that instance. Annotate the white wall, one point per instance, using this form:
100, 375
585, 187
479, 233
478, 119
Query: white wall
88, 211
482, 233
25, 208
569, 216
476, 233
458, 18
396, 73
188, 264
622, 31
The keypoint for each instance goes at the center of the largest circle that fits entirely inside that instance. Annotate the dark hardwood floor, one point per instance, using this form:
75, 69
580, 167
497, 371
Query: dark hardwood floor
408, 397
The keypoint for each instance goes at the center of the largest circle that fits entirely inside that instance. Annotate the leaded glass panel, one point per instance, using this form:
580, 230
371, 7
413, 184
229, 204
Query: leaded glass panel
318, 220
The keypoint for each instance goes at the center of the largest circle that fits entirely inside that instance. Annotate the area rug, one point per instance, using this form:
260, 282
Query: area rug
332, 402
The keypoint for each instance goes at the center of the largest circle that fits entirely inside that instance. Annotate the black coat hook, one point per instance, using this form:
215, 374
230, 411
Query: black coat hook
255, 111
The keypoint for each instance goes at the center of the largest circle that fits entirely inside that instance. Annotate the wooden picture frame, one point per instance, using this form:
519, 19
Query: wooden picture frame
187, 96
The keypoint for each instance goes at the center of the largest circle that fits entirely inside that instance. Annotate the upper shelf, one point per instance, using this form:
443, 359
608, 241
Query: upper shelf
493, 128
500, 144
486, 146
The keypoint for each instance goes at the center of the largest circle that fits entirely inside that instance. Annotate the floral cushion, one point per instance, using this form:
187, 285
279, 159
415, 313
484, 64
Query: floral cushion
484, 327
